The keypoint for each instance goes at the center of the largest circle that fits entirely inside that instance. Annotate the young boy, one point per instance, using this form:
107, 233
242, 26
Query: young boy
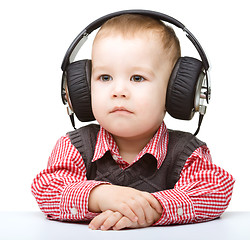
122, 185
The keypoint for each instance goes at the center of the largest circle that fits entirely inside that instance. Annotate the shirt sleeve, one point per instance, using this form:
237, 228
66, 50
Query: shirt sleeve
202, 193
62, 189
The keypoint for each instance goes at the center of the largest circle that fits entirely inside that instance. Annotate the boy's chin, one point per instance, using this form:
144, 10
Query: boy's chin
131, 128
129, 133
122, 130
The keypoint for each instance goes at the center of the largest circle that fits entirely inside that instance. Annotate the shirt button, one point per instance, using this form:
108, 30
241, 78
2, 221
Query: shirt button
73, 210
115, 157
180, 211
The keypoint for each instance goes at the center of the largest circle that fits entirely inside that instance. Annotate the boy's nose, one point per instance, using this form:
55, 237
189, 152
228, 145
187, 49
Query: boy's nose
119, 95
120, 90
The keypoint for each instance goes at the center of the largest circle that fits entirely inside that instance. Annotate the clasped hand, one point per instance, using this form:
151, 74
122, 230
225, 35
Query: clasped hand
122, 207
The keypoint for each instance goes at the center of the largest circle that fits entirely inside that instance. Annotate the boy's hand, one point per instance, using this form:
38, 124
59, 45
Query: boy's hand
136, 205
111, 220
116, 221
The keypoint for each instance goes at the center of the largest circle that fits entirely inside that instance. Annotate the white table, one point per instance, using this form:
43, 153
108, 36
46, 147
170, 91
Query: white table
33, 225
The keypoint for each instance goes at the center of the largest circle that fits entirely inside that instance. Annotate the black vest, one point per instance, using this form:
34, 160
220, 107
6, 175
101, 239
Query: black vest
142, 175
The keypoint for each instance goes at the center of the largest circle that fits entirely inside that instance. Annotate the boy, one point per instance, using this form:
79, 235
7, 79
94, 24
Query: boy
121, 186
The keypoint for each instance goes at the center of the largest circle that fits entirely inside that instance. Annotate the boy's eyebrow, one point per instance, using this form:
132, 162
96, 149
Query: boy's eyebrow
99, 68
134, 69
144, 69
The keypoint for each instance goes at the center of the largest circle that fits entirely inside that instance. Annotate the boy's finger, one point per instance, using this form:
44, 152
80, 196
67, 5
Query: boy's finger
137, 207
98, 221
148, 211
124, 222
111, 221
153, 202
125, 210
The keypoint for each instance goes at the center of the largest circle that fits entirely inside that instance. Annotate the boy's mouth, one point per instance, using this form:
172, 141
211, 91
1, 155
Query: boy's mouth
120, 109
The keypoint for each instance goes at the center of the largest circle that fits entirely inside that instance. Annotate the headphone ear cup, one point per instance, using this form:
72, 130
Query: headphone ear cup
78, 81
182, 87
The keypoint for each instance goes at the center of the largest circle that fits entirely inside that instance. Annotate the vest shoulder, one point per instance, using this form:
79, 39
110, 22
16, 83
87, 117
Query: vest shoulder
183, 136
86, 130
84, 139
183, 144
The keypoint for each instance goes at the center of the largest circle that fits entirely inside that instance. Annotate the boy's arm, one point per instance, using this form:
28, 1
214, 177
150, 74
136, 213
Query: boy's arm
202, 193
62, 190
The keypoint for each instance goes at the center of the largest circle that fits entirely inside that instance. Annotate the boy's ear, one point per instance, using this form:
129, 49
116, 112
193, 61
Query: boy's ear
78, 82
181, 89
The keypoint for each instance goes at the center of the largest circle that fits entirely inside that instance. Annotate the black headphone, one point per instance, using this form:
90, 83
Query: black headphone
188, 85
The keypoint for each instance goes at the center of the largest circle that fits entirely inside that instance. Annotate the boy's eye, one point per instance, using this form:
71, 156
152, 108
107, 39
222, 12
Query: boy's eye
137, 78
105, 78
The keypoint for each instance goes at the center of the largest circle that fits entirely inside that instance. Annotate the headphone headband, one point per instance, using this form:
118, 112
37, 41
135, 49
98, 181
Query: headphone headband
82, 37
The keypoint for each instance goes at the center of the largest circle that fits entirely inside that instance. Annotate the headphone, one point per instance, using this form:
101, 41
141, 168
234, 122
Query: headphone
188, 86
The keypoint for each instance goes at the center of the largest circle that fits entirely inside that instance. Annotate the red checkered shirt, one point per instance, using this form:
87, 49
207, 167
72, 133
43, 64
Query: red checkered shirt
202, 193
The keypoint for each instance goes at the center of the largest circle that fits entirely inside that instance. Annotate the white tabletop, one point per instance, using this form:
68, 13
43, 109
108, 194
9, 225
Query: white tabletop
33, 225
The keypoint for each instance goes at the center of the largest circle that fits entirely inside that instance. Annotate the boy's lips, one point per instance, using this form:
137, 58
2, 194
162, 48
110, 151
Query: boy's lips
120, 109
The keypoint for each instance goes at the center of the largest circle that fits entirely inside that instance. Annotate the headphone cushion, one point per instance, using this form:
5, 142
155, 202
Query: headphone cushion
182, 87
78, 81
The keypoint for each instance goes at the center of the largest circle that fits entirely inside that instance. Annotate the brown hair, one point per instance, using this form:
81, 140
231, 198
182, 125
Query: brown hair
131, 24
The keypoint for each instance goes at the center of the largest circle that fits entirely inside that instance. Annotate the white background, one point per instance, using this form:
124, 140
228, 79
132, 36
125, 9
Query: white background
34, 37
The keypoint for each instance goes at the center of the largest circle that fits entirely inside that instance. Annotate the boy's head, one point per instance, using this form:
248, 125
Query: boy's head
135, 25
132, 60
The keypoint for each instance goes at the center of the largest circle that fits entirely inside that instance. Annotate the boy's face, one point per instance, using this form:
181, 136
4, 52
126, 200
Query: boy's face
128, 85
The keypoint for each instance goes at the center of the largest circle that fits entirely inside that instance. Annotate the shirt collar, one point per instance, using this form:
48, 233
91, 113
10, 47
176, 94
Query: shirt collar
157, 146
